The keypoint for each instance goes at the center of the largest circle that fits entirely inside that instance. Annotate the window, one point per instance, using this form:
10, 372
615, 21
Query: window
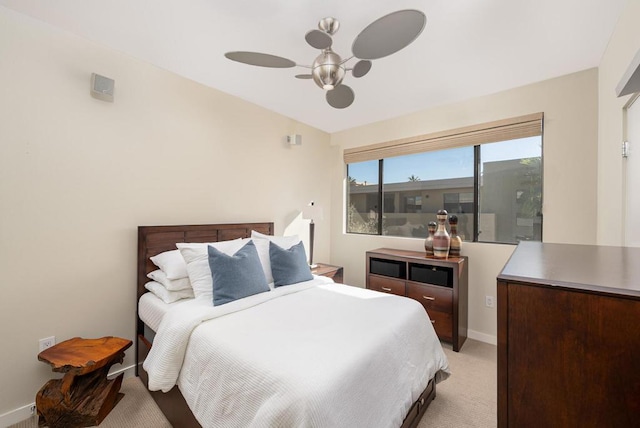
510, 194
363, 198
416, 186
494, 188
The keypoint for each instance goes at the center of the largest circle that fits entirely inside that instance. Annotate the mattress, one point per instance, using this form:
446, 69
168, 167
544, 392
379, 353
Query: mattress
151, 309
309, 354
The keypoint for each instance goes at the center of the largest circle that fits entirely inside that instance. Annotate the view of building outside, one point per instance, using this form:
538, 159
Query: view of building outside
416, 186
511, 191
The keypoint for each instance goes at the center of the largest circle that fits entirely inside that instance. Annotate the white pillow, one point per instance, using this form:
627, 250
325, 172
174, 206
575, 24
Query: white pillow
170, 284
166, 295
261, 242
171, 263
285, 242
262, 247
196, 256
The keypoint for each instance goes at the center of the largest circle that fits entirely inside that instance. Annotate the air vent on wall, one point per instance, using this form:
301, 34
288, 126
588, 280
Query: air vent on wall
102, 87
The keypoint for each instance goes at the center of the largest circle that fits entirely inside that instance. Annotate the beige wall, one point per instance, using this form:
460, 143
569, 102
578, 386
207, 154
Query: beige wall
78, 175
570, 147
624, 44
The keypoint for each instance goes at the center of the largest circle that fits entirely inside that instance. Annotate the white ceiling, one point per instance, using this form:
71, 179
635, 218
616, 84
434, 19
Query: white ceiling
468, 48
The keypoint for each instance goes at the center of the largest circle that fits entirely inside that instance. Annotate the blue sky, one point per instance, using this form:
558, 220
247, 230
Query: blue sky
452, 163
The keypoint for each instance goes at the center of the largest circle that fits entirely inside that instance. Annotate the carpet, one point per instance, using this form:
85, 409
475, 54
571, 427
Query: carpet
469, 397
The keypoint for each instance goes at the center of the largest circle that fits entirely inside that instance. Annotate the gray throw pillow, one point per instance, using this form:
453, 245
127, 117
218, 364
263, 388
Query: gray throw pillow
289, 266
237, 276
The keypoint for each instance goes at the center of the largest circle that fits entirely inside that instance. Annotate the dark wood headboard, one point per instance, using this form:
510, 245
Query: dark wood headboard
153, 240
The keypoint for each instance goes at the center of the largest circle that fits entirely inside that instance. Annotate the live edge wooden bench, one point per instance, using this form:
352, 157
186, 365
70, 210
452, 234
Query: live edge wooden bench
84, 396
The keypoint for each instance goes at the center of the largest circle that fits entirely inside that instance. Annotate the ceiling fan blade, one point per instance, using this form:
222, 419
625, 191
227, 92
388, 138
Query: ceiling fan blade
389, 34
260, 59
340, 97
361, 68
318, 39
303, 76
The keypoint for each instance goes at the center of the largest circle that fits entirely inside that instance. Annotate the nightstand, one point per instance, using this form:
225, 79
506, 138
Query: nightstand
84, 396
330, 271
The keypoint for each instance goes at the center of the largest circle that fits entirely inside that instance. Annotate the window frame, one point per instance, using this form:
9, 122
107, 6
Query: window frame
531, 125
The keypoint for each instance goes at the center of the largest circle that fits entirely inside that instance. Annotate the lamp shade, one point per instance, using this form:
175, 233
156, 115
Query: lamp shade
312, 212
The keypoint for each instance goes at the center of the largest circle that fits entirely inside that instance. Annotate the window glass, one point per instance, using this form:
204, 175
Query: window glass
510, 196
362, 197
416, 186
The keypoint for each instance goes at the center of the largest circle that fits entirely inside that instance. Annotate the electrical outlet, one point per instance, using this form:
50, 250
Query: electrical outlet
47, 342
488, 301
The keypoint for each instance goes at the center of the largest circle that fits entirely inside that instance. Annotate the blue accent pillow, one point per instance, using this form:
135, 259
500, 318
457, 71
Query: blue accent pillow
237, 276
289, 266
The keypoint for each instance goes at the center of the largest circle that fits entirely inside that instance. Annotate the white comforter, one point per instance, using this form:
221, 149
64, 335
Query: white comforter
313, 354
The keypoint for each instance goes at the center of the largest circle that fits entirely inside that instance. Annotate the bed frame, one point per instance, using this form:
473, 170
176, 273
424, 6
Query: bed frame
154, 240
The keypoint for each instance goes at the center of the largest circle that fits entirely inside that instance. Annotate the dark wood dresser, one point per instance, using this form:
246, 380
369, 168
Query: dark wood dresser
441, 285
569, 337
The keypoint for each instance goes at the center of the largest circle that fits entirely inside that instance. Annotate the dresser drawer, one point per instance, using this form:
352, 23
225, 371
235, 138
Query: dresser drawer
386, 285
431, 297
443, 324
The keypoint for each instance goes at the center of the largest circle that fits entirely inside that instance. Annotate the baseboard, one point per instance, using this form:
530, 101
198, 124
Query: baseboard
482, 337
17, 415
24, 412
129, 371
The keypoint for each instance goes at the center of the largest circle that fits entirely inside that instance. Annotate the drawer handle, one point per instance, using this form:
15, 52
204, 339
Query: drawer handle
429, 298
386, 289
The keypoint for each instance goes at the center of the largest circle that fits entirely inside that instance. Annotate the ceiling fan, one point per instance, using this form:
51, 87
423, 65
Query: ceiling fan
381, 38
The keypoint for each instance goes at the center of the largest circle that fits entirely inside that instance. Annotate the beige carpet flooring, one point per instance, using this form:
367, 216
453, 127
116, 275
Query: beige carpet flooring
469, 398
466, 399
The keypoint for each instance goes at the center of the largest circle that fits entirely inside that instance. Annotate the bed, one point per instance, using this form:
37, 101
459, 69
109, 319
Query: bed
299, 370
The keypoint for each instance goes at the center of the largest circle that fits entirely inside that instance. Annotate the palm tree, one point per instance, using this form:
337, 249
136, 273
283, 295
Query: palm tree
414, 178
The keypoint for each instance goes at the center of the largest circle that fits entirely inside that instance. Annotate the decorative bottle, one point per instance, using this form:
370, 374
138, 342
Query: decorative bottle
456, 242
441, 239
428, 243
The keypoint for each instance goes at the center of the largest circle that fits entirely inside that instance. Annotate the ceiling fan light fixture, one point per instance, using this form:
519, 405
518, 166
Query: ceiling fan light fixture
327, 70
328, 77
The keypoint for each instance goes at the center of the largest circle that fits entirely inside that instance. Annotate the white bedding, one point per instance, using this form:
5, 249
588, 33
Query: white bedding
313, 354
151, 309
